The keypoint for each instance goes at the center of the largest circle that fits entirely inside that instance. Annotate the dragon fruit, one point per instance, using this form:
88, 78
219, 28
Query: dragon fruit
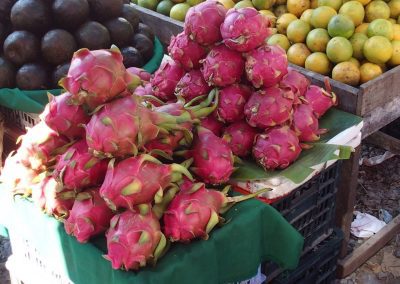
277, 148
141, 73
192, 85
320, 100
297, 82
185, 51
138, 180
202, 22
78, 169
165, 80
305, 124
64, 117
240, 137
269, 107
222, 66
97, 76
88, 217
266, 65
244, 29
211, 123
212, 157
231, 103
135, 238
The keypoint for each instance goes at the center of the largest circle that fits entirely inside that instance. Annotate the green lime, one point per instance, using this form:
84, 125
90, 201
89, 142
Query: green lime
378, 49
380, 27
335, 4
178, 12
321, 16
280, 40
357, 41
297, 31
164, 7
194, 2
341, 25
263, 4
317, 40
149, 4
339, 49
354, 10
243, 4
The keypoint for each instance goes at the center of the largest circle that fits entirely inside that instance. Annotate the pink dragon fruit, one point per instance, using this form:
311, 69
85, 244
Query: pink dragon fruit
77, 169
64, 117
240, 137
138, 180
192, 85
277, 148
211, 123
231, 103
185, 51
297, 82
212, 157
141, 73
222, 66
88, 217
305, 124
165, 80
266, 65
269, 107
98, 76
202, 22
320, 100
244, 29
135, 238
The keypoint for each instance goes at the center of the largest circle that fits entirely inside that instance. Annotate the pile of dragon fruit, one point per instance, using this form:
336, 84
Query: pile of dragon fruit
144, 159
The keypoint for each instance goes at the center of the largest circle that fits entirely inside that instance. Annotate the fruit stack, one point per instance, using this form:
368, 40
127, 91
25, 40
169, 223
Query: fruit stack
141, 163
38, 37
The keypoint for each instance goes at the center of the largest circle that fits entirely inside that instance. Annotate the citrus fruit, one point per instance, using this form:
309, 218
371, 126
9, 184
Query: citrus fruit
354, 61
298, 53
270, 16
396, 32
395, 59
228, 4
392, 21
279, 39
243, 4
380, 27
297, 7
314, 4
178, 12
364, 2
306, 16
339, 49
263, 4
149, 4
377, 10
317, 40
164, 7
341, 25
394, 7
357, 42
354, 10
297, 31
178, 1
194, 2
321, 16
362, 29
280, 10
378, 49
346, 72
398, 20
335, 4
283, 22
319, 63
369, 71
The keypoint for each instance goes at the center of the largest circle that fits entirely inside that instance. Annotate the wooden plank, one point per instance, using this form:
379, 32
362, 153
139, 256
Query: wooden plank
385, 141
368, 249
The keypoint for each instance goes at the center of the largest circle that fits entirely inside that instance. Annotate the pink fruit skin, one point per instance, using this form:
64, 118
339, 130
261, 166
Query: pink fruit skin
78, 169
222, 66
64, 117
266, 65
89, 216
212, 157
96, 77
211, 123
305, 124
319, 100
141, 73
240, 137
231, 102
186, 51
244, 29
132, 239
269, 107
145, 90
277, 148
192, 85
165, 80
202, 22
297, 82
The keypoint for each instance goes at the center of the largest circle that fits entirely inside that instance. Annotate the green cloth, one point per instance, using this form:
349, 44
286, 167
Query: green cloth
254, 232
34, 101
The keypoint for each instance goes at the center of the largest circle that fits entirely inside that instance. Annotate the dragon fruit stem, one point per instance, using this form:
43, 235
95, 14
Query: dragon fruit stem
178, 171
169, 194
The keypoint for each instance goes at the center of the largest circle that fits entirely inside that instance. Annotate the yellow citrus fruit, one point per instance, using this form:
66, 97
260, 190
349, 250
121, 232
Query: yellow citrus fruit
317, 40
339, 49
377, 10
279, 39
346, 72
354, 10
283, 22
335, 4
341, 25
394, 6
306, 16
298, 53
314, 4
263, 4
280, 10
297, 7
243, 4
149, 4
395, 59
270, 16
321, 16
380, 27
378, 49
364, 2
193, 2
178, 12
369, 71
392, 21
297, 31
362, 29
319, 63
228, 4
354, 61
273, 31
398, 20
357, 42
396, 32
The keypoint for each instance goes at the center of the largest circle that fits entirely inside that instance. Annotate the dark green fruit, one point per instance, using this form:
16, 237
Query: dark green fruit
120, 30
7, 73
31, 15
58, 46
93, 35
70, 14
132, 57
131, 15
21, 47
5, 9
32, 76
144, 45
106, 9
59, 72
146, 30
